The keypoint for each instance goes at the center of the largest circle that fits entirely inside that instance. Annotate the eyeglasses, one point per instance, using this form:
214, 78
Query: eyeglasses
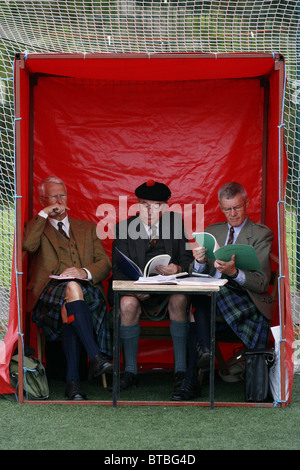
56, 196
152, 207
235, 208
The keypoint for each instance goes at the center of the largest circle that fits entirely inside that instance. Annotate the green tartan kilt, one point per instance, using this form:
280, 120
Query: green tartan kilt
242, 316
47, 312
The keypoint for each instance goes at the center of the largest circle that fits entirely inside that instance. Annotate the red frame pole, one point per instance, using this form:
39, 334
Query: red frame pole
281, 220
19, 64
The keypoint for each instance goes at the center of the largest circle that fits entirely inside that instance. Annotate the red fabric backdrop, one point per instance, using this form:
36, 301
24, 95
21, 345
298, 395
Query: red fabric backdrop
106, 133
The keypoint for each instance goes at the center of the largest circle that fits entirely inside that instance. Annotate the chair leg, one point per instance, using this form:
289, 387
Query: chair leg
103, 377
104, 383
40, 343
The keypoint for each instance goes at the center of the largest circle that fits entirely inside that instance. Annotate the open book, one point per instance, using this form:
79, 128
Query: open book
133, 271
245, 255
182, 280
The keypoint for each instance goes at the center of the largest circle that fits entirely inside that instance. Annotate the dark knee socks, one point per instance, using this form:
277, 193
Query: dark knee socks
192, 370
71, 348
80, 319
202, 320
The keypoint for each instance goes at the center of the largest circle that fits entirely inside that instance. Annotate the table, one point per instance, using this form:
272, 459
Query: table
130, 287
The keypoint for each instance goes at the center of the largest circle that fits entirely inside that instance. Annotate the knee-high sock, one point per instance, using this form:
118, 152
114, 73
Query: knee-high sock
71, 348
192, 369
178, 332
202, 320
80, 319
129, 335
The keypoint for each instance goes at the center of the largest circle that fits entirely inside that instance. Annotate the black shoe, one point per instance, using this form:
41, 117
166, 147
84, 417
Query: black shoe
101, 365
178, 380
74, 392
190, 391
203, 361
128, 380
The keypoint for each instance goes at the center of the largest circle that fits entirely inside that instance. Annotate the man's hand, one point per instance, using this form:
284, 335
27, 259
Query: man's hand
226, 267
56, 210
168, 270
199, 254
75, 272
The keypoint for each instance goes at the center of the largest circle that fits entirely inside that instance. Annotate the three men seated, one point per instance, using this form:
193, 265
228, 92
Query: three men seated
75, 308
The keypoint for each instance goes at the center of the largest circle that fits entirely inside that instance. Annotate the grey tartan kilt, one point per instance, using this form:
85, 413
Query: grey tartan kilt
47, 312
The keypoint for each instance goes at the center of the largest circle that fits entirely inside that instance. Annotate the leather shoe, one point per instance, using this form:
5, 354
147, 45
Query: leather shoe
74, 392
190, 391
178, 380
128, 380
100, 365
203, 361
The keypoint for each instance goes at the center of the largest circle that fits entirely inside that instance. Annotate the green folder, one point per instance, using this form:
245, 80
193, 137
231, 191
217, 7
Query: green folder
207, 240
245, 256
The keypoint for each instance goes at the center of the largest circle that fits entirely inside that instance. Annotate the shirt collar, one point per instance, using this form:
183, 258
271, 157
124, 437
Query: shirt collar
65, 221
148, 227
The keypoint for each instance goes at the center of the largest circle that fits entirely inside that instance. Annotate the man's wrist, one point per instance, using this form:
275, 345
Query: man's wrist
235, 275
88, 274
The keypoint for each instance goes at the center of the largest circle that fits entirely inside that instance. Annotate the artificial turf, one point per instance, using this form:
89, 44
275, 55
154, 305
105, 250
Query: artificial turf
150, 428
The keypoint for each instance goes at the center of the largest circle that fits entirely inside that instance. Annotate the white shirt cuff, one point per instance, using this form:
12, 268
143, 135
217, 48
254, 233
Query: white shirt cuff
88, 274
43, 214
241, 277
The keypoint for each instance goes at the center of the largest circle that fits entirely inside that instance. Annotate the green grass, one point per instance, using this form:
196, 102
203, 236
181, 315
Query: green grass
127, 427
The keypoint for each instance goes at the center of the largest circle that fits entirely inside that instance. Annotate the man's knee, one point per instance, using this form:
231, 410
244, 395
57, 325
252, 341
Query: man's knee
178, 307
73, 292
130, 309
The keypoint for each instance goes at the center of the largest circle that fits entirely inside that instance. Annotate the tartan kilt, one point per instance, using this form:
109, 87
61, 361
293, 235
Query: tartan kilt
47, 312
240, 313
156, 307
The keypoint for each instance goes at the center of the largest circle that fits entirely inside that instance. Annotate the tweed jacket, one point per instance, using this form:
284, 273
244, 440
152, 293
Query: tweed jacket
175, 245
40, 241
256, 282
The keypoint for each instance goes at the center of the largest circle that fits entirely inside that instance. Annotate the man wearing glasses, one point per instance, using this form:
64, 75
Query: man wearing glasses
243, 302
75, 309
152, 232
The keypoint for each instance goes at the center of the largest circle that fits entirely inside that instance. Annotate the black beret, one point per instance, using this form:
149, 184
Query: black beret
153, 191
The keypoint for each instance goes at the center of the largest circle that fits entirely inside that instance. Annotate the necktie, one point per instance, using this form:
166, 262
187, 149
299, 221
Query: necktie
230, 238
61, 230
153, 237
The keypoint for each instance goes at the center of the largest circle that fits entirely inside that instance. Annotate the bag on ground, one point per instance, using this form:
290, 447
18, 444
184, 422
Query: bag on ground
258, 363
35, 383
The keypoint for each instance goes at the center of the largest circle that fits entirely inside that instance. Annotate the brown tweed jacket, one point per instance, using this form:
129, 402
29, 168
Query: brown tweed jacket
40, 241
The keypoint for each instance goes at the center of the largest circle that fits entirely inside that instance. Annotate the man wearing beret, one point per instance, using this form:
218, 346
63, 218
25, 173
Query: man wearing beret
152, 232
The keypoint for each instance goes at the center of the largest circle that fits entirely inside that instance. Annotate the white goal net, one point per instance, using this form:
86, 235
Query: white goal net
118, 26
